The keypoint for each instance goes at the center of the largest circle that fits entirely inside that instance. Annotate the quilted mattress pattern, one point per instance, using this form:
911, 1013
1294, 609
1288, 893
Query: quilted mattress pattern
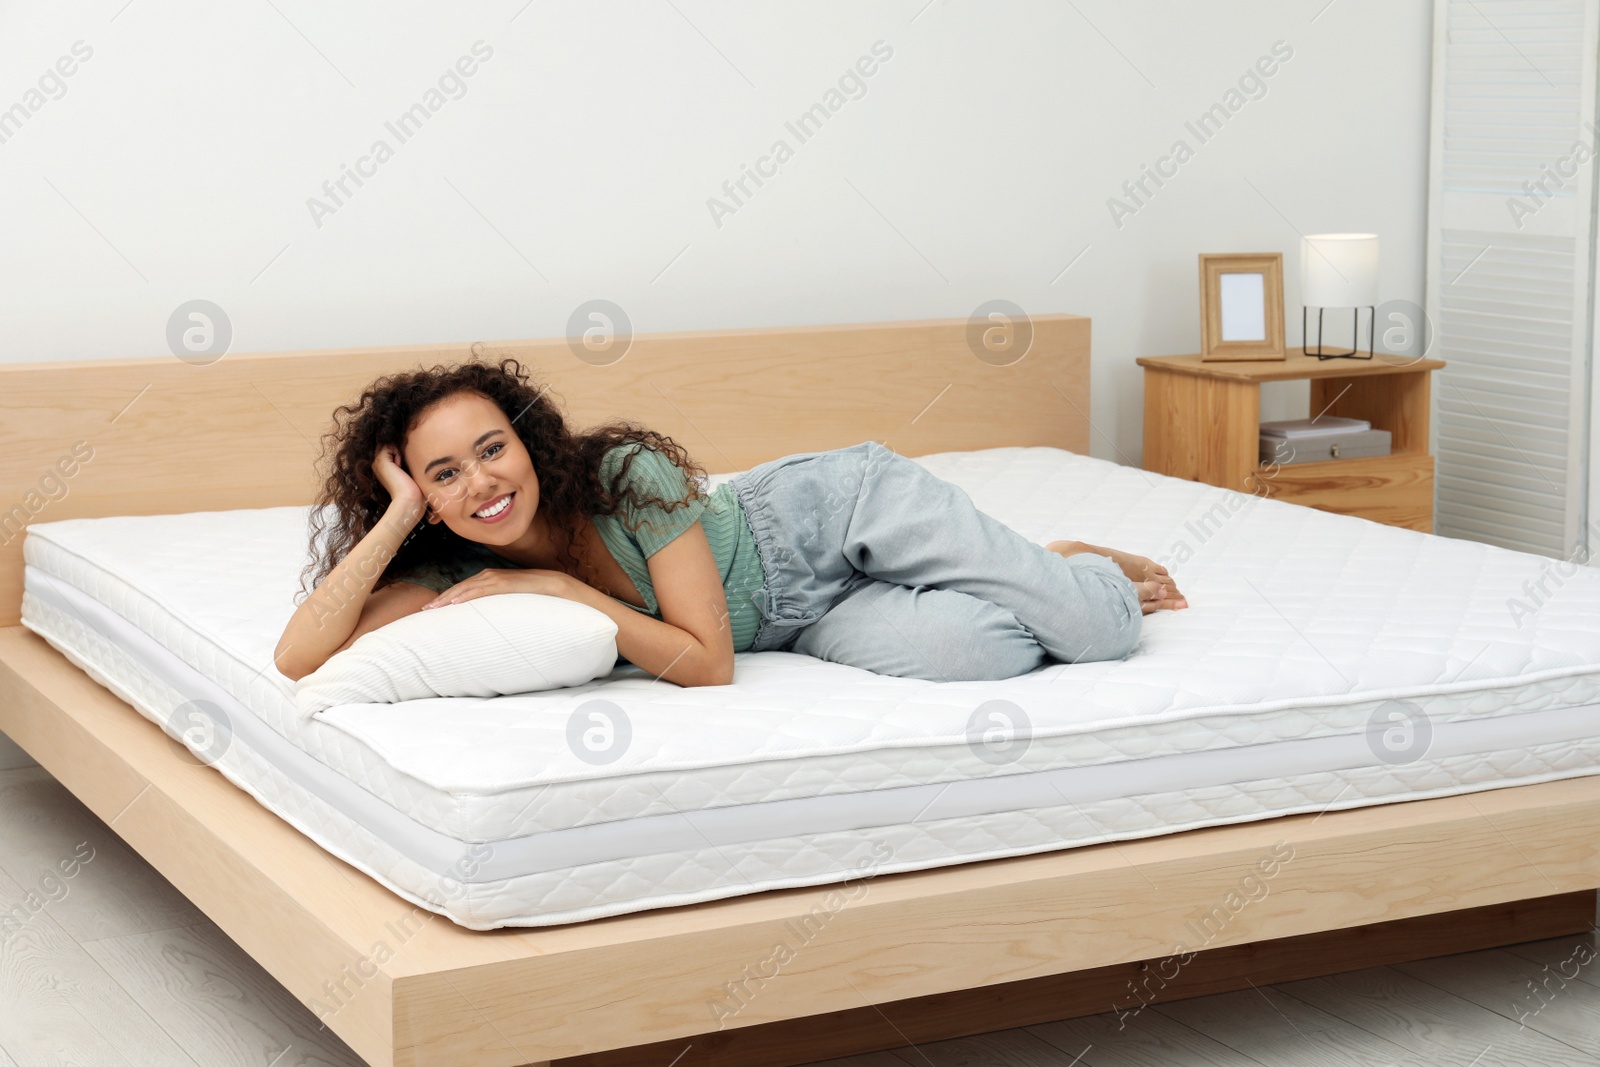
1302, 624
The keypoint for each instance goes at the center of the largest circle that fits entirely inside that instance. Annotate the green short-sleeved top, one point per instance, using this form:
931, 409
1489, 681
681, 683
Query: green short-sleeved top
652, 474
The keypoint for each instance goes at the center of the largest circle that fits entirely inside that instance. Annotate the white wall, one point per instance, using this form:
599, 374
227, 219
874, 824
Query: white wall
179, 161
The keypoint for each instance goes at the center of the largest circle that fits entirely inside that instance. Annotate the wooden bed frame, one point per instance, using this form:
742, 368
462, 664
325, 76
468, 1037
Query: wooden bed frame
899, 958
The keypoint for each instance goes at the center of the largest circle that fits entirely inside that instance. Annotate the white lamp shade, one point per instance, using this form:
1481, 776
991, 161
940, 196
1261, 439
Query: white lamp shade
1339, 270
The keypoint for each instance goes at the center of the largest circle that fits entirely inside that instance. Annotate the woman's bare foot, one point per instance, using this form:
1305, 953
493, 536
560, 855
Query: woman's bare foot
1157, 591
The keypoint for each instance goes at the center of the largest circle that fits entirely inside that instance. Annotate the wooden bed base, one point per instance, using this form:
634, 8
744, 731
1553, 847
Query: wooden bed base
986, 945
907, 957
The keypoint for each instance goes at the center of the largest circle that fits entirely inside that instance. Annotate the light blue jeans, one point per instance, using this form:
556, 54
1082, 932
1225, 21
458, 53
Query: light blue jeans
872, 561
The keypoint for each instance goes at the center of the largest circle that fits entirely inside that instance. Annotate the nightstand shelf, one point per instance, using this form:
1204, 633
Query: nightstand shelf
1202, 421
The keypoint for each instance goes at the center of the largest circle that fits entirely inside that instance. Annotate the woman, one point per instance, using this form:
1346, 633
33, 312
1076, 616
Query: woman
453, 483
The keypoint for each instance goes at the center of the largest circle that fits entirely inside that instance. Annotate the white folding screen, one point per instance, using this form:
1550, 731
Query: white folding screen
1509, 269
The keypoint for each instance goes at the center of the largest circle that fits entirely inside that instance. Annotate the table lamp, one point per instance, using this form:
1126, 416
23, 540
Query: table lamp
1339, 270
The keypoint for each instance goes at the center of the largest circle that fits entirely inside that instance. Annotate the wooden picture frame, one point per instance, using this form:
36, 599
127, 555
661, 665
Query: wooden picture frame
1241, 306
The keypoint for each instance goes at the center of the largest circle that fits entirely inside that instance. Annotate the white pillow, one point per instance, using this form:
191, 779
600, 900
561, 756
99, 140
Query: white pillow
487, 646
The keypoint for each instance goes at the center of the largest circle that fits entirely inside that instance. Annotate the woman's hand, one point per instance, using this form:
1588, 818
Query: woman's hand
503, 580
386, 468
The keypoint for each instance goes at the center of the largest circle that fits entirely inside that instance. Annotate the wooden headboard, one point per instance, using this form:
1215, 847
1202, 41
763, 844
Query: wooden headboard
158, 436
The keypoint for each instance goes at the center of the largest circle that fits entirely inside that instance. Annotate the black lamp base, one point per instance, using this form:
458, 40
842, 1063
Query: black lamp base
1355, 333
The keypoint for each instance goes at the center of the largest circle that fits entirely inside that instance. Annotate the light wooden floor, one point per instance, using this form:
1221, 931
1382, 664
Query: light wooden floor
120, 969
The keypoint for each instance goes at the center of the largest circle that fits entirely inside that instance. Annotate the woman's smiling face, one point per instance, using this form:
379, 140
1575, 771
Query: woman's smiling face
473, 469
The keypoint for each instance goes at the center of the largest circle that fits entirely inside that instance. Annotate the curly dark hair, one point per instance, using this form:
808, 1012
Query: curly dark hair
568, 465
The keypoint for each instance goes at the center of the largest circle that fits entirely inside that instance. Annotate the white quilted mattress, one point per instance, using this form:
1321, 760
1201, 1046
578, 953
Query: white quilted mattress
1269, 695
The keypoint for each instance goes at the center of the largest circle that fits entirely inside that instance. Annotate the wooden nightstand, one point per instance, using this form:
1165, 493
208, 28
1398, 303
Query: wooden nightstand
1202, 421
